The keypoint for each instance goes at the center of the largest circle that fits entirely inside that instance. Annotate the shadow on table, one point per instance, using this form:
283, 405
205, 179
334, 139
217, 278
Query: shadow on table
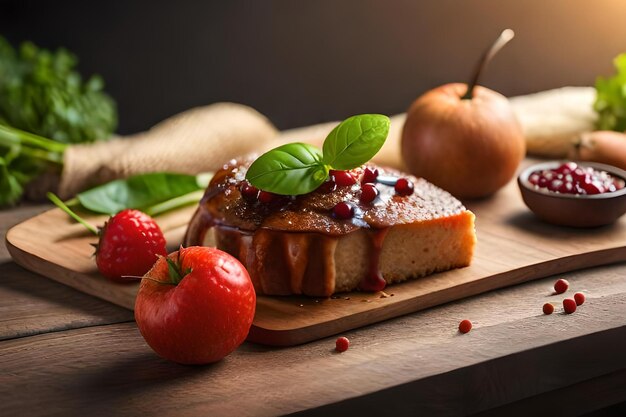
529, 223
49, 303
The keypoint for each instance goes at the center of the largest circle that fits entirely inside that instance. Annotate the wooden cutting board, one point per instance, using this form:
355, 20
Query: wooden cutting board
513, 247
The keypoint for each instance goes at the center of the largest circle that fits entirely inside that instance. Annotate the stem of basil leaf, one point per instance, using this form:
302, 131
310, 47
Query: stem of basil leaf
60, 204
499, 43
176, 202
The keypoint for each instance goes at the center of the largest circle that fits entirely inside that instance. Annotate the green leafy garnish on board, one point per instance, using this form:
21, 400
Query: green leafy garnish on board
610, 101
299, 168
152, 193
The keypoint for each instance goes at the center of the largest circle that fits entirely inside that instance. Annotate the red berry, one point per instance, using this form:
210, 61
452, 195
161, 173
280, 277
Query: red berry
369, 175
465, 326
266, 197
404, 187
555, 185
369, 192
328, 186
569, 306
579, 297
548, 308
567, 168
342, 344
343, 210
249, 191
342, 178
560, 286
566, 188
130, 243
592, 188
534, 179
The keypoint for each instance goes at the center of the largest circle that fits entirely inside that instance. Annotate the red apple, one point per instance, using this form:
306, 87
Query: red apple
195, 306
470, 147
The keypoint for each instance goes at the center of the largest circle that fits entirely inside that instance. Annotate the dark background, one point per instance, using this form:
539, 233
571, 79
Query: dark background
302, 62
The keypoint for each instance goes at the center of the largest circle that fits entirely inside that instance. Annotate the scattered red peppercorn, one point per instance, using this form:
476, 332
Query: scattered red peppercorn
342, 178
249, 191
266, 197
465, 326
561, 286
369, 192
569, 306
343, 210
548, 308
579, 297
404, 187
342, 344
369, 175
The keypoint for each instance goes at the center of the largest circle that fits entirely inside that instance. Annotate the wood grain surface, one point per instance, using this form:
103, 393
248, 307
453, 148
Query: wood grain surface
513, 247
417, 362
516, 361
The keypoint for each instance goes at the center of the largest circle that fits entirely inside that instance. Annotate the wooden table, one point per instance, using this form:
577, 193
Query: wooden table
66, 353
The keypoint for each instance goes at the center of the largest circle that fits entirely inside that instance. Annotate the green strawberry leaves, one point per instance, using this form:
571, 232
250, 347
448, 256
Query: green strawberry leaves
175, 271
299, 168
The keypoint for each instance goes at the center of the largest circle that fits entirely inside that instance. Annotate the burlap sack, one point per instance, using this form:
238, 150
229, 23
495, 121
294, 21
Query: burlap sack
198, 140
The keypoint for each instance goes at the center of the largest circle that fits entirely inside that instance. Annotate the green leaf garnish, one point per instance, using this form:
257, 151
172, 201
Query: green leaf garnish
610, 101
291, 169
146, 192
299, 168
355, 141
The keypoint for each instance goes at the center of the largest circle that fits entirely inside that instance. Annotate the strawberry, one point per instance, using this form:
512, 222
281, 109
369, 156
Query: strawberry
130, 243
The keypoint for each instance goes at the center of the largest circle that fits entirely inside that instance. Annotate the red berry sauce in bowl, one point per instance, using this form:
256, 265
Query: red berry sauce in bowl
574, 194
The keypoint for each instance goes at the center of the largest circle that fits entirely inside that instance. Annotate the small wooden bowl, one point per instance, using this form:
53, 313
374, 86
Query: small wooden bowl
574, 210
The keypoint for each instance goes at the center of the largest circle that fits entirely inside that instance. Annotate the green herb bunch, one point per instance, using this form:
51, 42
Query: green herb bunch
299, 168
610, 101
45, 105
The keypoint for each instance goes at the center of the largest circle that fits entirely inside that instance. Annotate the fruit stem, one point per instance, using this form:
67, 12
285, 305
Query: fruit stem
174, 203
503, 39
60, 204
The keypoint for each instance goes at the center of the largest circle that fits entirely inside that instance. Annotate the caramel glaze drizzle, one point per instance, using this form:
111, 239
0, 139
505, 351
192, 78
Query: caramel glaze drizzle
305, 259
284, 260
374, 280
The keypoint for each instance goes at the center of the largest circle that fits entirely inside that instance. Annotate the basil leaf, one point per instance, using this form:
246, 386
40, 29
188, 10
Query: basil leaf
291, 169
355, 141
139, 192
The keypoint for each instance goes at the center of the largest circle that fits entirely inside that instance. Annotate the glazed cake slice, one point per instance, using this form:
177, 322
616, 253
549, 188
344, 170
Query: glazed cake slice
299, 245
